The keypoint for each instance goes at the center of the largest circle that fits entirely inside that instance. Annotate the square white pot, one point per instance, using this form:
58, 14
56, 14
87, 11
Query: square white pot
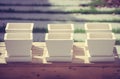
100, 44
98, 27
18, 44
59, 58
19, 59
60, 28
59, 44
100, 58
19, 27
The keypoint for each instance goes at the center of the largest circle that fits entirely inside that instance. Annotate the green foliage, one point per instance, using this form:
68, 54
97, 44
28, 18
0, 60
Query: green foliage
79, 30
117, 42
97, 3
117, 11
88, 11
93, 10
78, 40
113, 20
40, 30
116, 30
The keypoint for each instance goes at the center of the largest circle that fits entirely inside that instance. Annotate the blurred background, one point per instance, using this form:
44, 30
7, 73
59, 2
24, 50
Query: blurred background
43, 12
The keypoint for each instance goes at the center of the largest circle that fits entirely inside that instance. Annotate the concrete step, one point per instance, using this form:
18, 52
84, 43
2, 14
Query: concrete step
43, 24
43, 2
57, 17
49, 9
40, 8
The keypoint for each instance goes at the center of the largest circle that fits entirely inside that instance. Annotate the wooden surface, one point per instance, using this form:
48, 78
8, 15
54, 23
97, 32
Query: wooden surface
59, 71
39, 68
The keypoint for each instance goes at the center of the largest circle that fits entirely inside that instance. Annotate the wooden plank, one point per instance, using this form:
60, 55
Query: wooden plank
50, 73
18, 72
111, 73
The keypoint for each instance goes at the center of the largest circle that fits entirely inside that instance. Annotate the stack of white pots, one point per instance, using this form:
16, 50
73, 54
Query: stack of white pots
100, 41
59, 42
18, 41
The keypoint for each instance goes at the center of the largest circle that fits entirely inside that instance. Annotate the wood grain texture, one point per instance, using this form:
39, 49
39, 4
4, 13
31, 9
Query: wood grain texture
19, 72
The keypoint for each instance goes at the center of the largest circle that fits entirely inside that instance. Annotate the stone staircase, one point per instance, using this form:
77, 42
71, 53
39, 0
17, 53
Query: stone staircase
43, 12
48, 11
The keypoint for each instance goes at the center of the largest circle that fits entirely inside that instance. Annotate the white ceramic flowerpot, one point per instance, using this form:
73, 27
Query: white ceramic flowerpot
98, 27
19, 27
100, 58
18, 44
100, 44
59, 58
59, 44
60, 28
19, 58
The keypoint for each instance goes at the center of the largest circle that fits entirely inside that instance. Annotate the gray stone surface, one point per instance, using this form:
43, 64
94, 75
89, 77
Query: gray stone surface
53, 2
